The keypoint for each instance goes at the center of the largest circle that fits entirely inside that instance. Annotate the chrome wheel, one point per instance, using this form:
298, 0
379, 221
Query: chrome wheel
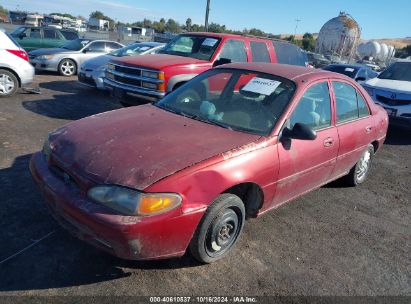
7, 84
363, 166
67, 68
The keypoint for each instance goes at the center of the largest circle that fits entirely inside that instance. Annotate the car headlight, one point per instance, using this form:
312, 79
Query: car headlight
149, 74
45, 57
132, 202
46, 149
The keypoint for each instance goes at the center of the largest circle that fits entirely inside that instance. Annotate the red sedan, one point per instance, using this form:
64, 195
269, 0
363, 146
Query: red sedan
152, 181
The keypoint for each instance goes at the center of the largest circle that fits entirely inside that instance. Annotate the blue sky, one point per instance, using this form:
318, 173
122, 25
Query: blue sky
377, 18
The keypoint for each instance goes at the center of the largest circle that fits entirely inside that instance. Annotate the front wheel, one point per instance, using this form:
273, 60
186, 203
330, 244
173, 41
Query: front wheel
8, 83
67, 67
360, 171
219, 229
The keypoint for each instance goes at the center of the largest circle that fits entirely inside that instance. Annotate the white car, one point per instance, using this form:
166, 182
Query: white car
392, 90
15, 69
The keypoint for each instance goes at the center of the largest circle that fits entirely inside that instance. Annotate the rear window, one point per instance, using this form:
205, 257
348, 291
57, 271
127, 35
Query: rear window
288, 53
69, 35
259, 51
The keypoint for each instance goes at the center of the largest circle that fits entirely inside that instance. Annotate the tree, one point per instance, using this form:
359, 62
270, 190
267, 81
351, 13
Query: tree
256, 32
97, 15
188, 24
3, 11
147, 23
216, 28
172, 26
404, 52
308, 42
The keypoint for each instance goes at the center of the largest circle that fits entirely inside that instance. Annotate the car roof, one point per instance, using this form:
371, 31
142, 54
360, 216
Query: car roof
149, 43
245, 37
283, 70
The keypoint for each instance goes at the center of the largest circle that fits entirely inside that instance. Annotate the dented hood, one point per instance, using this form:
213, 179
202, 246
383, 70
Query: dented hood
135, 147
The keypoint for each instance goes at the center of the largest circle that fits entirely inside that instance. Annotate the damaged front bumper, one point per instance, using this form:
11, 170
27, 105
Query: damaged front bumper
128, 237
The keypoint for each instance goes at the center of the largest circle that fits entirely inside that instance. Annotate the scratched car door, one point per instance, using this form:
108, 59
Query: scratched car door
307, 164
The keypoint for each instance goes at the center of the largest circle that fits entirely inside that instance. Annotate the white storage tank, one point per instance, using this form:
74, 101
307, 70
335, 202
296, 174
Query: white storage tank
379, 51
339, 36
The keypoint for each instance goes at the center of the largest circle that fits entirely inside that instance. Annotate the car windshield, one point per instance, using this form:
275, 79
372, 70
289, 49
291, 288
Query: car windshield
133, 49
349, 71
194, 46
397, 71
75, 45
239, 100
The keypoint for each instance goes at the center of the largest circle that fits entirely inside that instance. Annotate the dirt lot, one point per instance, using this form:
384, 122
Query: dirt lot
333, 241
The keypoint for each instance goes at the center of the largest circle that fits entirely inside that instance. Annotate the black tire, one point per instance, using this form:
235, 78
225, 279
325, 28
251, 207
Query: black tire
8, 83
219, 229
359, 173
67, 67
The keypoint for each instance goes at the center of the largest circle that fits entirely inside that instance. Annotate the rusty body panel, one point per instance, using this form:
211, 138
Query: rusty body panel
154, 151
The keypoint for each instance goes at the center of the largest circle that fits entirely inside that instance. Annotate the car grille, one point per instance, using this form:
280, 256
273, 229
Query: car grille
127, 70
392, 102
129, 76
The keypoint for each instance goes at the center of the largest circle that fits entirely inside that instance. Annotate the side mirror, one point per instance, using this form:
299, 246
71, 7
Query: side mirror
22, 35
299, 131
221, 61
360, 79
85, 51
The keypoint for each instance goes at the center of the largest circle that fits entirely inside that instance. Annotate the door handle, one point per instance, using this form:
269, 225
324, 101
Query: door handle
328, 142
368, 129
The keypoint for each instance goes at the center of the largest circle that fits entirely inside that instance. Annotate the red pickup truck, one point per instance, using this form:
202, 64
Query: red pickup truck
142, 79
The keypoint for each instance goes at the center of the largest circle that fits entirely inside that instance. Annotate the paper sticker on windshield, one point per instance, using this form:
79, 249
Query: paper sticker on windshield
84, 42
144, 48
261, 86
349, 70
209, 42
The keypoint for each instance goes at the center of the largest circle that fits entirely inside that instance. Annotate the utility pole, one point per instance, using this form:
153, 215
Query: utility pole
206, 16
296, 26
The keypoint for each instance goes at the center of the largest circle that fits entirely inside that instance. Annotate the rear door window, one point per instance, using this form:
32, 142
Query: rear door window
288, 53
350, 104
98, 46
259, 51
111, 46
50, 34
234, 50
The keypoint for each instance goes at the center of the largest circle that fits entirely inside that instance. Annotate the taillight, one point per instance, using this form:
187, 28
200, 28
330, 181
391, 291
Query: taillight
19, 53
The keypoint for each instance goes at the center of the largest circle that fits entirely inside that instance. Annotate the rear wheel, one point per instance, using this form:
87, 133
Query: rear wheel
8, 83
219, 229
359, 173
67, 67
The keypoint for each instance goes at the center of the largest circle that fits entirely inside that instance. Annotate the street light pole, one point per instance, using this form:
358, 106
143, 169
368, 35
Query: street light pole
206, 16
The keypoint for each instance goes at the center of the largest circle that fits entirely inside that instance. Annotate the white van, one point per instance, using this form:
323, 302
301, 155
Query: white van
15, 69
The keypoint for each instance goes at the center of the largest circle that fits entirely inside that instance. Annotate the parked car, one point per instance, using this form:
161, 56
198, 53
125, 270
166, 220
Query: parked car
92, 71
148, 78
317, 60
392, 90
71, 55
149, 182
33, 38
359, 73
15, 70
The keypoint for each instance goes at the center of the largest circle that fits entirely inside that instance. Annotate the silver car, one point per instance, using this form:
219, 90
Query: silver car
92, 71
71, 55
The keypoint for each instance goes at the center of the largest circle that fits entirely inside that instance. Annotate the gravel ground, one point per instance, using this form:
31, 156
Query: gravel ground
333, 241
